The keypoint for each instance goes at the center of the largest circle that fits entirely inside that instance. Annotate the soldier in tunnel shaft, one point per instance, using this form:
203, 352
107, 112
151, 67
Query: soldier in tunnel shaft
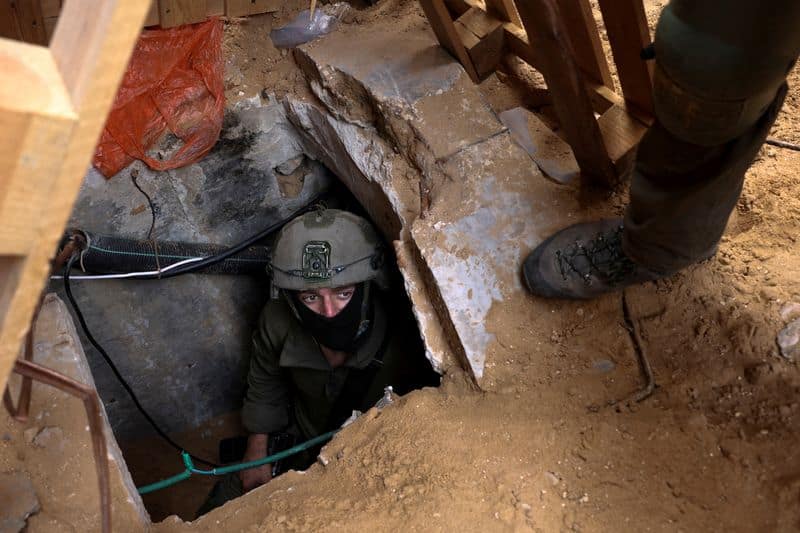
325, 345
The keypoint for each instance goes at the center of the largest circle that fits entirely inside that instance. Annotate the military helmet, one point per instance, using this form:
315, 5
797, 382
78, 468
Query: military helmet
326, 248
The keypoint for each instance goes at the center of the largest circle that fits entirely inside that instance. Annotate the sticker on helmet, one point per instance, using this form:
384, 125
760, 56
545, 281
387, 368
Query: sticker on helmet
317, 260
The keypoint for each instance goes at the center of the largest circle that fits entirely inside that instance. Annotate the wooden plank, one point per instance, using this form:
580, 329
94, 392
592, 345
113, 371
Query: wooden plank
621, 132
9, 25
516, 42
628, 33
50, 8
37, 114
173, 13
482, 36
549, 151
153, 17
31, 21
245, 8
585, 39
215, 8
445, 31
91, 47
503, 10
568, 89
50, 26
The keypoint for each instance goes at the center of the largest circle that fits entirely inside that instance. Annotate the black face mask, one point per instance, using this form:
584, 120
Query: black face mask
346, 330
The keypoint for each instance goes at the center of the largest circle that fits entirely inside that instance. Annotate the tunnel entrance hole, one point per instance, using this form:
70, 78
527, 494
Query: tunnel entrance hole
150, 458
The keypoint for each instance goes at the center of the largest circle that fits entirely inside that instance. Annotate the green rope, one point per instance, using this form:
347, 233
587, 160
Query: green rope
222, 470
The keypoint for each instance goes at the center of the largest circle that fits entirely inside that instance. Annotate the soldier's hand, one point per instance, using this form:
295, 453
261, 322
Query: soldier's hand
256, 449
255, 477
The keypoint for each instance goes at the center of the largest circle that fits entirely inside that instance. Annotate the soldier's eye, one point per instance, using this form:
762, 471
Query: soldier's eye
308, 298
344, 295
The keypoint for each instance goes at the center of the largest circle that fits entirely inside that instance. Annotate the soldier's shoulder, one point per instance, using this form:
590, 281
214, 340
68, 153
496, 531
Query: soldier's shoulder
276, 319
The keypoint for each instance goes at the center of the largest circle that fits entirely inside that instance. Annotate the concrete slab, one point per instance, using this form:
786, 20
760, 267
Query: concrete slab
497, 207
404, 86
553, 155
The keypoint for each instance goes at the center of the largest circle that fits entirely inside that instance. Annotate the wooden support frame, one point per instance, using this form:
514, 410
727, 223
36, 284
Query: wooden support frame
561, 39
53, 102
570, 99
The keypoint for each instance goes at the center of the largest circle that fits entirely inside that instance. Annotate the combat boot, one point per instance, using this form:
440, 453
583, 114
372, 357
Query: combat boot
583, 261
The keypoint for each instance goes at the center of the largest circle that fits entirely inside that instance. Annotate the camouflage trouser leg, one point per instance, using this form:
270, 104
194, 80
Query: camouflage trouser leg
226, 489
682, 194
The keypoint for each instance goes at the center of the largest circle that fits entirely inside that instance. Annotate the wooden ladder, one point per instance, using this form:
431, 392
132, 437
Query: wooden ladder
560, 39
53, 105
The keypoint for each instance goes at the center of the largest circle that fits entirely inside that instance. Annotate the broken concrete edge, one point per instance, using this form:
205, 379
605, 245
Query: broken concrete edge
437, 348
351, 101
81, 372
360, 158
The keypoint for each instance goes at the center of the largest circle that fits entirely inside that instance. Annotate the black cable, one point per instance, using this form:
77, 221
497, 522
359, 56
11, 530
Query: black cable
113, 367
212, 260
134, 175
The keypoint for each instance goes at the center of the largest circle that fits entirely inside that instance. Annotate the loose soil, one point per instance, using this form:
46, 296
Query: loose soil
541, 449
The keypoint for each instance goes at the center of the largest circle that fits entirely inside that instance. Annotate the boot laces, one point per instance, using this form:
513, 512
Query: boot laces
601, 257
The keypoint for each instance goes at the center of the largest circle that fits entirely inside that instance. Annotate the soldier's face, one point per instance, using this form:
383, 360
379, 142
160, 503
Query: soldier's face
327, 302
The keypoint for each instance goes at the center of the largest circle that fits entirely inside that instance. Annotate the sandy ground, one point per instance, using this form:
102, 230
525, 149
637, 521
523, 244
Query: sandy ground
713, 449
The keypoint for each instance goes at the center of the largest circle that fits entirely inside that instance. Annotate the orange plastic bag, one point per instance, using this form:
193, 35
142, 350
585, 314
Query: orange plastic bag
174, 81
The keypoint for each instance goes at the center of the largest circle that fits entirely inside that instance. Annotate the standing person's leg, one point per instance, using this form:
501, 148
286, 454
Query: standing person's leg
682, 194
719, 84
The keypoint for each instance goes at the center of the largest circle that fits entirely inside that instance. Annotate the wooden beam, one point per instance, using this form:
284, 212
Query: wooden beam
152, 18
173, 13
34, 126
50, 8
568, 89
446, 33
516, 43
245, 8
9, 25
503, 10
215, 8
482, 36
90, 49
31, 21
628, 33
621, 132
585, 39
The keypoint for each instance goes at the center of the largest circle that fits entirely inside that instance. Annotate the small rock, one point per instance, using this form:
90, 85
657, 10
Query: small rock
49, 436
603, 366
790, 310
323, 460
290, 165
584, 499
789, 340
552, 478
18, 499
